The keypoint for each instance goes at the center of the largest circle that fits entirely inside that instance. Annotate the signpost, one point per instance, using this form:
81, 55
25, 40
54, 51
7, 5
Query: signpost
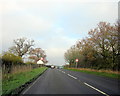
76, 60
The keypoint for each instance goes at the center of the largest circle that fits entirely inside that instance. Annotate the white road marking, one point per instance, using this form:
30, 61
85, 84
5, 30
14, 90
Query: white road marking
96, 89
87, 84
72, 76
30, 86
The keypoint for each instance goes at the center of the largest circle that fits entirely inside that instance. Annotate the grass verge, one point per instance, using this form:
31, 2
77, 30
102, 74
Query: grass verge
96, 72
17, 80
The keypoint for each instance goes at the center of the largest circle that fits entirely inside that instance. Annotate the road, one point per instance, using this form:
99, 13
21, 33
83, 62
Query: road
61, 81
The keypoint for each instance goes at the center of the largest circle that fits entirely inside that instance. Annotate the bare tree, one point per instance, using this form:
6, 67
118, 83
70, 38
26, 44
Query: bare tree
37, 53
22, 46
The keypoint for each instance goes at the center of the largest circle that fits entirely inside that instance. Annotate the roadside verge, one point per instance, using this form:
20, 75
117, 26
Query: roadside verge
18, 82
97, 72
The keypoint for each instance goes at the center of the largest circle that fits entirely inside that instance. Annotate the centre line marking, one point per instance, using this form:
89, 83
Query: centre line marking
96, 89
72, 76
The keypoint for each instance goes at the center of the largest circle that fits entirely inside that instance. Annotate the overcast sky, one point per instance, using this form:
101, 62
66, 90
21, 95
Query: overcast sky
55, 25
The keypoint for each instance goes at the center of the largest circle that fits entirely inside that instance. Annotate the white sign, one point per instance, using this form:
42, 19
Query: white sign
76, 60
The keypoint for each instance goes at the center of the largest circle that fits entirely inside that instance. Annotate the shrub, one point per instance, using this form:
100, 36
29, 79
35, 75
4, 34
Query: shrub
9, 60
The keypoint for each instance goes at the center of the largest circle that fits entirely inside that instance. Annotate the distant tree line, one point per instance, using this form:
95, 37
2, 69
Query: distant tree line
100, 50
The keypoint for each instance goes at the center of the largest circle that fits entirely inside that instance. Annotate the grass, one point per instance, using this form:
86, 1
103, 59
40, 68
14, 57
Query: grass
16, 80
98, 72
15, 69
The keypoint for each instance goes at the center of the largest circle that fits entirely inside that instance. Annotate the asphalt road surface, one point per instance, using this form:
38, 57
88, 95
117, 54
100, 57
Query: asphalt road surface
61, 81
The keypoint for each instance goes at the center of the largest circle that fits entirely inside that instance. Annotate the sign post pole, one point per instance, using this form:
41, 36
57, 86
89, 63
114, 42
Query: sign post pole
76, 62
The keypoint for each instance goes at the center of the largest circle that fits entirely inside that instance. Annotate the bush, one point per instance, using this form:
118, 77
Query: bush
9, 60
9, 57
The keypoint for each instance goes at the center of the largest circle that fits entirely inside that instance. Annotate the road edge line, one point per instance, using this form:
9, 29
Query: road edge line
32, 83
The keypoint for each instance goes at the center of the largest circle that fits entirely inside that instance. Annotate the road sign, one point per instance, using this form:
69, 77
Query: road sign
76, 60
